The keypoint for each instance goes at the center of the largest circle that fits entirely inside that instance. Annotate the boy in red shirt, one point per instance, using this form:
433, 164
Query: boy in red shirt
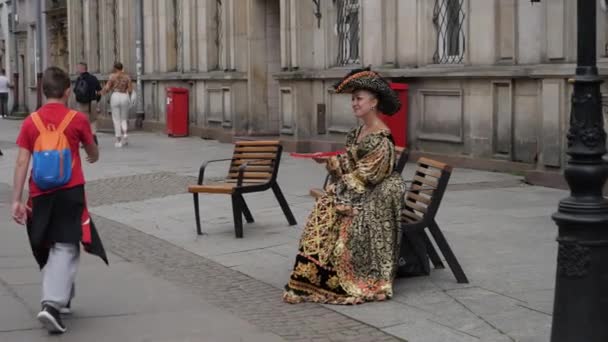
57, 218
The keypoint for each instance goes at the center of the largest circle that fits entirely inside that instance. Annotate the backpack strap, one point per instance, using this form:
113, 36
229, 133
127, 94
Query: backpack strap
66, 121
38, 122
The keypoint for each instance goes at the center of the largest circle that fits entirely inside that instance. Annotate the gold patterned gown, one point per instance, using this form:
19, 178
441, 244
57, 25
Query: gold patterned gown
348, 250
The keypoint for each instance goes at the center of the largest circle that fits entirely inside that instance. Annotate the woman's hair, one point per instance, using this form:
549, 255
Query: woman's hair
118, 66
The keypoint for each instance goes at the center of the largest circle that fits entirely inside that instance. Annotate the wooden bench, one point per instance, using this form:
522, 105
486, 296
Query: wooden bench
420, 208
401, 156
254, 168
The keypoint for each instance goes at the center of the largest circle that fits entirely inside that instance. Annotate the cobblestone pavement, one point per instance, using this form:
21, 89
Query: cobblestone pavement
136, 188
160, 184
248, 298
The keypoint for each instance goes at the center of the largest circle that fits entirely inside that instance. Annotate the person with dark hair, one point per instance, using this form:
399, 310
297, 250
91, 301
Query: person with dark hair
4, 89
121, 87
55, 214
86, 89
348, 249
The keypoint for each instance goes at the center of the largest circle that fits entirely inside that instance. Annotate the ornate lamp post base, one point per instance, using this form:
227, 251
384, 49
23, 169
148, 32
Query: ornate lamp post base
580, 311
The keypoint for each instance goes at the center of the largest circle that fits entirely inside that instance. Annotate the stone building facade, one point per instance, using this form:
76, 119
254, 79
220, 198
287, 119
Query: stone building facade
488, 79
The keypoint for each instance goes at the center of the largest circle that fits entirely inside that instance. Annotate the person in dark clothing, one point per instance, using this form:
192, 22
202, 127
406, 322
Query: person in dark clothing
86, 89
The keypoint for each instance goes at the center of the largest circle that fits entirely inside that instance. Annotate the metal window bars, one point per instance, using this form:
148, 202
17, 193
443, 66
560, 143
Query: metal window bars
348, 31
448, 19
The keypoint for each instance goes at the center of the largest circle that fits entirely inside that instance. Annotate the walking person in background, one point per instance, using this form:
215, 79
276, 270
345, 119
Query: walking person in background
4, 87
56, 213
121, 87
86, 90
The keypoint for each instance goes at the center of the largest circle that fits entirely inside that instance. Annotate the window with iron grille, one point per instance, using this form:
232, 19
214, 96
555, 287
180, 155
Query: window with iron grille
448, 19
348, 31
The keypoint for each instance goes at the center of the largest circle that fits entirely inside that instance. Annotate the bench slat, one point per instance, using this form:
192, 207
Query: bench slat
254, 156
271, 149
253, 169
257, 143
246, 181
434, 163
428, 171
411, 215
413, 205
418, 198
237, 162
422, 189
251, 175
220, 188
424, 180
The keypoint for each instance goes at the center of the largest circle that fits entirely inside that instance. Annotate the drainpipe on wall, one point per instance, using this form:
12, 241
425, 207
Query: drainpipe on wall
39, 53
139, 61
13, 26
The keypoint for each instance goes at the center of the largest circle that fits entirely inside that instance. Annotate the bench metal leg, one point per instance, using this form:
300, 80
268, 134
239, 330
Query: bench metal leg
245, 208
197, 215
238, 218
430, 249
283, 203
447, 253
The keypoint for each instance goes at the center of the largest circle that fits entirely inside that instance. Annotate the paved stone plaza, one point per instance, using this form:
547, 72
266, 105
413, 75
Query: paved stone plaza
166, 284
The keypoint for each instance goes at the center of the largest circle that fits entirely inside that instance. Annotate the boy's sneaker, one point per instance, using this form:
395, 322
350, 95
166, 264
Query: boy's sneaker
51, 319
66, 310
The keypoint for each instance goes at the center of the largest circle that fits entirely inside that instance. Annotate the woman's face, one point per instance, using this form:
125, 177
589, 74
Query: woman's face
363, 102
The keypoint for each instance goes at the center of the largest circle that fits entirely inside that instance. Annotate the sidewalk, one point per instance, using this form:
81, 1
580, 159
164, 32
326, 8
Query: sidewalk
123, 302
499, 229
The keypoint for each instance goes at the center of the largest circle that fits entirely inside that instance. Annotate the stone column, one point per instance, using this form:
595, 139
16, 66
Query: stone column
407, 32
257, 71
530, 31
167, 46
371, 38
150, 42
206, 33
481, 40
91, 34
285, 37
75, 34
427, 34
107, 27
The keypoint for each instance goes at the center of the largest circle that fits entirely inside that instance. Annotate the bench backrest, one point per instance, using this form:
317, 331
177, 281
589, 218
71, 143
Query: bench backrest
262, 158
401, 157
426, 190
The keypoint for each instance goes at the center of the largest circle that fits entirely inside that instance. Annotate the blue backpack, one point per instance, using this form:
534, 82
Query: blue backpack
52, 157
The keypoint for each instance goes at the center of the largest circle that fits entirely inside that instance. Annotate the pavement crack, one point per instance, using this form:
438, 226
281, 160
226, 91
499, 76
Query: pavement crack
18, 330
489, 290
16, 296
535, 310
453, 329
500, 331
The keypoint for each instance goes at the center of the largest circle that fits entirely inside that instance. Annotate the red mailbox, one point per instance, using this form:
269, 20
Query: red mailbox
177, 112
398, 121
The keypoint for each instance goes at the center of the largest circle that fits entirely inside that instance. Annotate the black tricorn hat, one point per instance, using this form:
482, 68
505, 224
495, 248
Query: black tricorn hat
388, 101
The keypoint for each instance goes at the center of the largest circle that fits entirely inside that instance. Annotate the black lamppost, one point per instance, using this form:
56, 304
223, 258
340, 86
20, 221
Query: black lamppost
580, 311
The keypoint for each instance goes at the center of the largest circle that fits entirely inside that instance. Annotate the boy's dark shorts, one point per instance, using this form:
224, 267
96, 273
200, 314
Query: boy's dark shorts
57, 217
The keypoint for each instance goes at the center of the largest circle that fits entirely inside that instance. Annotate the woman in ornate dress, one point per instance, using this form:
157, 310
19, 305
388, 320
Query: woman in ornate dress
348, 250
